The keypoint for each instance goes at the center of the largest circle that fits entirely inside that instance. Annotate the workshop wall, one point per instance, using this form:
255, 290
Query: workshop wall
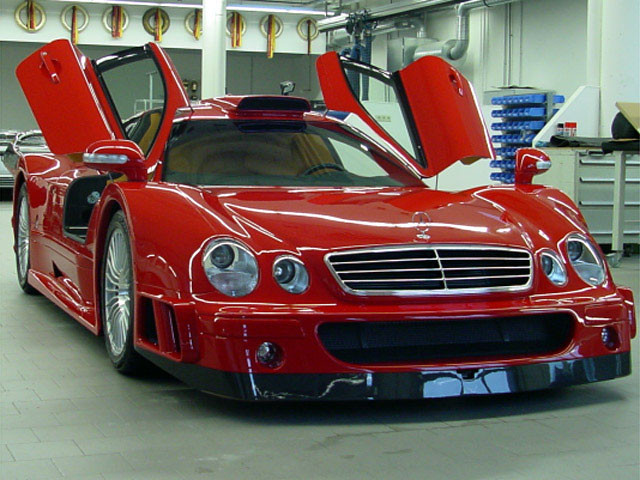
247, 73
547, 51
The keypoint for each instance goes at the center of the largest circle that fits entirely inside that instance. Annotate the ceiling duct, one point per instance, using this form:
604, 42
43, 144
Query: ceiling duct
456, 48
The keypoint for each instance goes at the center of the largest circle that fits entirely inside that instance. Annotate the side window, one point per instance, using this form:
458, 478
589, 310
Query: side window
135, 87
378, 97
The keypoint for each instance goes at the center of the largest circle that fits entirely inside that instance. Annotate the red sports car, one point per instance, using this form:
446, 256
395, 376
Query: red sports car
261, 251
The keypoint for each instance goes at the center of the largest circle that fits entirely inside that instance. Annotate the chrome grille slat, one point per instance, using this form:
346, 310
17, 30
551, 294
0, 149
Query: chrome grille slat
455, 279
386, 260
397, 280
431, 269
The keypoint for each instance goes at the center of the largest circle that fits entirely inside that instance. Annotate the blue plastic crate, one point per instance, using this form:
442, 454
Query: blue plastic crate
503, 177
526, 112
514, 139
503, 164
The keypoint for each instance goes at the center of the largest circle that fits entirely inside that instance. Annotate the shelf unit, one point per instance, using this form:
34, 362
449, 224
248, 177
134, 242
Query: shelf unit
522, 116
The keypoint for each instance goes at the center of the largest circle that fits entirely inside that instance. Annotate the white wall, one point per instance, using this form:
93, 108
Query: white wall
620, 65
548, 42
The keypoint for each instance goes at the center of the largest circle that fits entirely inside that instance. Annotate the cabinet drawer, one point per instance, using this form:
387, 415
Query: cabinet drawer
599, 220
601, 190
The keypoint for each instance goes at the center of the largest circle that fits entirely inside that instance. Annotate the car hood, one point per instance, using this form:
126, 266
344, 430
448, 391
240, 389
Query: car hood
330, 218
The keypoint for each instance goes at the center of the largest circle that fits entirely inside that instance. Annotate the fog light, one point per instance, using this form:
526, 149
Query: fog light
610, 338
269, 354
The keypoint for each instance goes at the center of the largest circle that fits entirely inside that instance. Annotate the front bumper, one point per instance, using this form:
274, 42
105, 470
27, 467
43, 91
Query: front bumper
397, 385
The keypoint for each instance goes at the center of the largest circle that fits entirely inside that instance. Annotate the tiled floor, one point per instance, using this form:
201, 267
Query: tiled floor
66, 413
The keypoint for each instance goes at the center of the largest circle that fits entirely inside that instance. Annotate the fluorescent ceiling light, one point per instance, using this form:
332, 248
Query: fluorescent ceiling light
233, 8
261, 8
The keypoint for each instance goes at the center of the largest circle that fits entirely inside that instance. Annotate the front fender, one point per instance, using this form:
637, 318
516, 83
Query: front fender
166, 231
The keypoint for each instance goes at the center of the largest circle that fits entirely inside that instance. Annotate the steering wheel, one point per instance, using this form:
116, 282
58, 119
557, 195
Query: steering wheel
322, 166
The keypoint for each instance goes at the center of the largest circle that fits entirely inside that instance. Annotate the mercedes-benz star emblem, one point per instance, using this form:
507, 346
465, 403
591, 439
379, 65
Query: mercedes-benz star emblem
422, 220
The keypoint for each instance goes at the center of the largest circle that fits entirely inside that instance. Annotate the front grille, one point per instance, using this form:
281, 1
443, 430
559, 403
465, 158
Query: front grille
427, 269
429, 341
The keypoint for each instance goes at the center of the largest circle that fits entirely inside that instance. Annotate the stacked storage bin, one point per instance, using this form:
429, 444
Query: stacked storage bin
522, 117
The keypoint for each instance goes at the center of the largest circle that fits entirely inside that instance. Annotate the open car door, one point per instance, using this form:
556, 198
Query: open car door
440, 122
77, 101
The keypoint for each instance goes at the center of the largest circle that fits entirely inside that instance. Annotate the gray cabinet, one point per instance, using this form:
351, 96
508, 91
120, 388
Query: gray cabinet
587, 176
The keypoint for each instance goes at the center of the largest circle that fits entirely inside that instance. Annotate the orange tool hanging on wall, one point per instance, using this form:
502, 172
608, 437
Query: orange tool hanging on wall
158, 30
116, 21
197, 23
74, 25
236, 30
31, 15
271, 36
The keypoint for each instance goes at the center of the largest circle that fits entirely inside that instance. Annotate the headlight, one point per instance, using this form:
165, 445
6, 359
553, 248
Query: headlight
290, 274
230, 267
553, 268
586, 260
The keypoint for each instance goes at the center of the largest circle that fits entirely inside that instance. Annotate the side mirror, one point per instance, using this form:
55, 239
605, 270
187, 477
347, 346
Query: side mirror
530, 162
287, 87
123, 156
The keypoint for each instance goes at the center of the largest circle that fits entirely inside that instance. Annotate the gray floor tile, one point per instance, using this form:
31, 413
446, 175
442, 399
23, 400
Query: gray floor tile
30, 469
67, 432
93, 465
17, 435
37, 450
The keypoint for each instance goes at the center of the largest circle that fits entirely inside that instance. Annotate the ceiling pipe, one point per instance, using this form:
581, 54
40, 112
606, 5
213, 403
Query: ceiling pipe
456, 48
379, 13
338, 39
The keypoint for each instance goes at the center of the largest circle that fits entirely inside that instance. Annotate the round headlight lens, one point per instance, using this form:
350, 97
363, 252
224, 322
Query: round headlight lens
586, 260
222, 256
284, 271
230, 267
290, 274
574, 250
553, 268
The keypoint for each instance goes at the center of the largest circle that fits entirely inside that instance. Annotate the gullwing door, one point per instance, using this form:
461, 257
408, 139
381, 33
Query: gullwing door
427, 111
131, 94
62, 90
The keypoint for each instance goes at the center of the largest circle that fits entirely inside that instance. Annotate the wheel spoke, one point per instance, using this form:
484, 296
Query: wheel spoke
117, 291
111, 261
111, 278
123, 326
22, 239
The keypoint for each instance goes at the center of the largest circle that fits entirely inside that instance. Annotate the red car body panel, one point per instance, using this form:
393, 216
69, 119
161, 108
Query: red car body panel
210, 340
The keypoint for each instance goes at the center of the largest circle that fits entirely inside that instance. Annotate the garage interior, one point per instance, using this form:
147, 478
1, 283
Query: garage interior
66, 413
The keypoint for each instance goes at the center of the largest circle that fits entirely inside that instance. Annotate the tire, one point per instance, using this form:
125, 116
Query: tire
23, 241
117, 298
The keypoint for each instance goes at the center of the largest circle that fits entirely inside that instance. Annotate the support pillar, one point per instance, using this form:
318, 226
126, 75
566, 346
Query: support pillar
214, 51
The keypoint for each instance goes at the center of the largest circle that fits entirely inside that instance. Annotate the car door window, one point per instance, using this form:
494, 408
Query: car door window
135, 87
377, 94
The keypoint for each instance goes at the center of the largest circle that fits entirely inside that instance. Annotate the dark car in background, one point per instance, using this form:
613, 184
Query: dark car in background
13, 142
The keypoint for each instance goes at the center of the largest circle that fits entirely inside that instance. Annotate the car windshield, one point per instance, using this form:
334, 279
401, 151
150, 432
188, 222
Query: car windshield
272, 153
